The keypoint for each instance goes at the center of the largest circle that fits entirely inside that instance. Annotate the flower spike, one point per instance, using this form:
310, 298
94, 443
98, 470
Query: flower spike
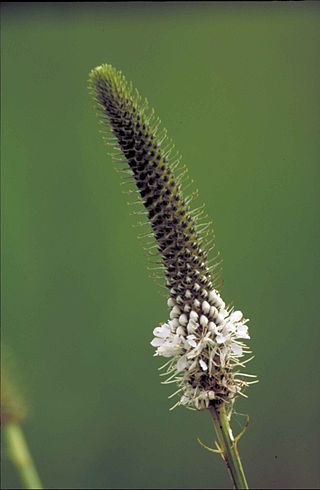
203, 339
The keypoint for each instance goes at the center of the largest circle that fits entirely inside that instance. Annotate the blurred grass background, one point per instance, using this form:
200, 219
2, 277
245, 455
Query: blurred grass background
237, 86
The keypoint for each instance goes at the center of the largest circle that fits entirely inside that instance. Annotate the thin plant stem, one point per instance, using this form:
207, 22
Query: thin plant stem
228, 446
20, 455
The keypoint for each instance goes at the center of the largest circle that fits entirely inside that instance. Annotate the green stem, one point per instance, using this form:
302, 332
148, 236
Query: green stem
228, 446
19, 453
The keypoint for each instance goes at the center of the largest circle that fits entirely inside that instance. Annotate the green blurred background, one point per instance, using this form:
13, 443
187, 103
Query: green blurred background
237, 86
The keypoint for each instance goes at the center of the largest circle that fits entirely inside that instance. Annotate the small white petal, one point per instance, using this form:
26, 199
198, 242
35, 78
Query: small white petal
193, 315
157, 332
204, 293
188, 294
180, 331
213, 312
205, 307
204, 321
192, 326
242, 331
196, 303
229, 328
191, 340
236, 316
222, 304
224, 313
171, 303
213, 328
183, 319
162, 331
186, 345
187, 308
203, 365
211, 395
175, 312
219, 319
173, 324
196, 286
157, 342
220, 339
182, 363
237, 349
175, 340
165, 351
214, 297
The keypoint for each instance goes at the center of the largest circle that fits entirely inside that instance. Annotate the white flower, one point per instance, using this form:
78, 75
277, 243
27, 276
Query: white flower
167, 343
224, 313
173, 324
205, 307
193, 315
156, 342
180, 331
236, 316
203, 365
219, 319
212, 295
175, 312
242, 331
213, 328
204, 321
191, 339
213, 312
202, 338
170, 303
170, 347
192, 326
162, 331
220, 339
183, 319
228, 328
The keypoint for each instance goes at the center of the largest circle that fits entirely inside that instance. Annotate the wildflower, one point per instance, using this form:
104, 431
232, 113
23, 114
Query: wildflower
203, 338
204, 360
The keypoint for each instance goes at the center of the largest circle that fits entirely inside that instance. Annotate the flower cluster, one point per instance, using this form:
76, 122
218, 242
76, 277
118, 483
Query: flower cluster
203, 338
205, 342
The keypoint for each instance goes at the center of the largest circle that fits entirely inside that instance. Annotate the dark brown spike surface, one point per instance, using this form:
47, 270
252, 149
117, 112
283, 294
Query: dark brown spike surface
169, 215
